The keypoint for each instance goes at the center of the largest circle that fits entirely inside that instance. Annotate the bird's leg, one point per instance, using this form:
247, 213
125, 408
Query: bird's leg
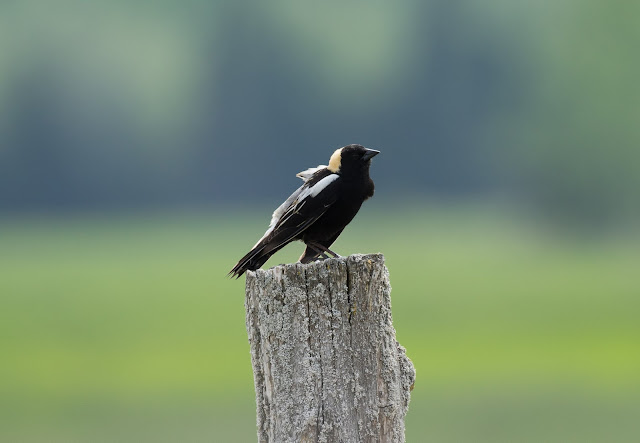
321, 254
320, 248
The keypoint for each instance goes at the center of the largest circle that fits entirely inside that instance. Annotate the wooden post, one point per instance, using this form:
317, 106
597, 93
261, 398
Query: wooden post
326, 363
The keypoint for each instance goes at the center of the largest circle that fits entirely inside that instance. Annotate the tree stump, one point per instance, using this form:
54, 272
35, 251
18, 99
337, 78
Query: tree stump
326, 363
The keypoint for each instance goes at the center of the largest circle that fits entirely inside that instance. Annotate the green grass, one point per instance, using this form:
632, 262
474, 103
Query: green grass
126, 329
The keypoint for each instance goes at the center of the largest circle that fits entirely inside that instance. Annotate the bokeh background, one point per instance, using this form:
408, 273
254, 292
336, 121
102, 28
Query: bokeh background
144, 144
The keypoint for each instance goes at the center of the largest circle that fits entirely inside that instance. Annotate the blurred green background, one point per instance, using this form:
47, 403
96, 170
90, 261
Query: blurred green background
143, 146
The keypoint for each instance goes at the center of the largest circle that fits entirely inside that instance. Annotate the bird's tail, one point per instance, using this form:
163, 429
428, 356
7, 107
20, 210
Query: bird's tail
255, 258
252, 261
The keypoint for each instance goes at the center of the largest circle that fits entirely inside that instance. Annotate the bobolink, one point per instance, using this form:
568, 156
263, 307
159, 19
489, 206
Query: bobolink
317, 211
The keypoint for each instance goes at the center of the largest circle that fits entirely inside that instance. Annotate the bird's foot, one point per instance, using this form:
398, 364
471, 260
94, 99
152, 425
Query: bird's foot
321, 248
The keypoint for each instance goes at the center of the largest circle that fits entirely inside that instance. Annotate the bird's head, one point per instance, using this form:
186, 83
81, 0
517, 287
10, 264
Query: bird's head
351, 159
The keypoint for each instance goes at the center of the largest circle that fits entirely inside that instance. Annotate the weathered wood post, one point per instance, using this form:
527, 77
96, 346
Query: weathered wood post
326, 363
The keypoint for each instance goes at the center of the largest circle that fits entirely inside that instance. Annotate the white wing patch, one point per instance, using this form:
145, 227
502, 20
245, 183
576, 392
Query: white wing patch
319, 187
307, 173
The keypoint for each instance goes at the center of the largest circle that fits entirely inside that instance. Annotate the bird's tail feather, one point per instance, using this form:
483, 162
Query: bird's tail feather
262, 252
250, 262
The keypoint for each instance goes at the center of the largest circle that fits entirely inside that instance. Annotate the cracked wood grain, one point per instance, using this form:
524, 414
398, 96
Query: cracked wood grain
326, 363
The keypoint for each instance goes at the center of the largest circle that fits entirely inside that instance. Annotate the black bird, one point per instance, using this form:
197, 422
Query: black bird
317, 211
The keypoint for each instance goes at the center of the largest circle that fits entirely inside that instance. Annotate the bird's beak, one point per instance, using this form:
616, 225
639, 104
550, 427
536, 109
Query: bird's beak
370, 154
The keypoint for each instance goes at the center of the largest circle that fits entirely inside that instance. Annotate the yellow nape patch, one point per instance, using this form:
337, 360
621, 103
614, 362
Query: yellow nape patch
334, 161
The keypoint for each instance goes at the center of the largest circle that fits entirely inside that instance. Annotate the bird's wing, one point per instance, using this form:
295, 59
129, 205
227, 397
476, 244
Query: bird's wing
308, 173
301, 210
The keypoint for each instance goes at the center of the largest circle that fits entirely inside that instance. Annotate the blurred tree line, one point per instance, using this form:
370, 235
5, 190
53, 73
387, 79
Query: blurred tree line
115, 105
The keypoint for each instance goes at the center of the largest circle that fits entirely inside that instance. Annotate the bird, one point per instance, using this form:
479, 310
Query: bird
318, 211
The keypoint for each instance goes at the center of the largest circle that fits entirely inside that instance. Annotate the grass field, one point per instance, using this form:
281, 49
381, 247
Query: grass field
126, 328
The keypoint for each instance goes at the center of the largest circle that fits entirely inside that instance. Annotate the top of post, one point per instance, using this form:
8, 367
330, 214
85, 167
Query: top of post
368, 260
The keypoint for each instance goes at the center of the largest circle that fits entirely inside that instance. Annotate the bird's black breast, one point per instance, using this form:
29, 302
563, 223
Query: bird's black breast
351, 195
370, 189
